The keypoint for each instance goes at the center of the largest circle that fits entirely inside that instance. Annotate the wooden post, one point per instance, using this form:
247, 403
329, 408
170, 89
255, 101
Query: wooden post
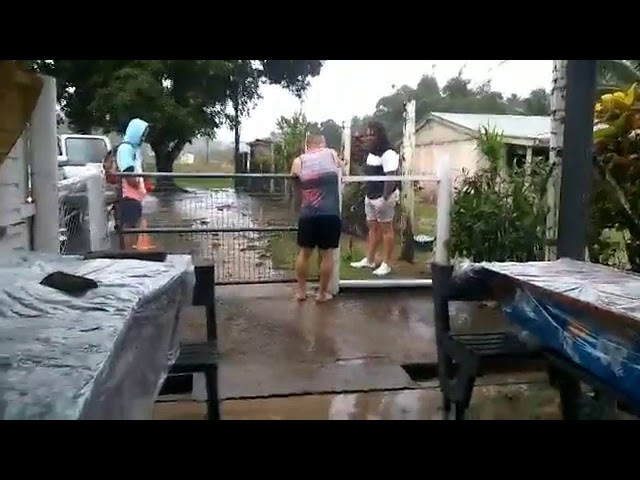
346, 147
407, 203
273, 168
558, 92
528, 162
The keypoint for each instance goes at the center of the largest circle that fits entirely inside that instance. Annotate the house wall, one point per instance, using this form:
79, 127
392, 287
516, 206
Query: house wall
14, 210
436, 139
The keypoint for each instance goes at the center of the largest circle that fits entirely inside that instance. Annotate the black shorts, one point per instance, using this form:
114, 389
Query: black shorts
130, 211
319, 232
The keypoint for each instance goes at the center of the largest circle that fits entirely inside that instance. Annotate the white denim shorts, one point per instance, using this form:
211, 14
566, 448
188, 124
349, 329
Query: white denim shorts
381, 210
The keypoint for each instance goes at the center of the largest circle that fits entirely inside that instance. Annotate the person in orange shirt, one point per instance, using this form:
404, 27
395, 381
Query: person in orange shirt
134, 190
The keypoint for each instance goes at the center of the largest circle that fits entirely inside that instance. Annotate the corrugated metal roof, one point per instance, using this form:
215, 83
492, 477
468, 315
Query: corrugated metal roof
519, 126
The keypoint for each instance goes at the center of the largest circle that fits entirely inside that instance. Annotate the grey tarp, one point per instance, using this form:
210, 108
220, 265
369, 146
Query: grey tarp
101, 356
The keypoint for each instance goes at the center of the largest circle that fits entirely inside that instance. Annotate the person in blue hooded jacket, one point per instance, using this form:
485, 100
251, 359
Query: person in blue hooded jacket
129, 159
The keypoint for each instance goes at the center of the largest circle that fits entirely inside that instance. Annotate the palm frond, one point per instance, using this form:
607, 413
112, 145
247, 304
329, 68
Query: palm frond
618, 72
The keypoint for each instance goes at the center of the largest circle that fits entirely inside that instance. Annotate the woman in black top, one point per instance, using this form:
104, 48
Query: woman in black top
380, 200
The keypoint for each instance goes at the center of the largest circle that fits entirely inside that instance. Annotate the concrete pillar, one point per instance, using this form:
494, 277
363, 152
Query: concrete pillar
97, 212
44, 169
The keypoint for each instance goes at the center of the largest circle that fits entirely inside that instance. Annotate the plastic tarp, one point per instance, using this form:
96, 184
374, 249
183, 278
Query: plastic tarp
589, 313
103, 355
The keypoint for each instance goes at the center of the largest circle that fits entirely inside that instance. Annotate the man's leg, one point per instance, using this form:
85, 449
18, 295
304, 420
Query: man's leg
329, 230
373, 238
326, 271
307, 245
302, 272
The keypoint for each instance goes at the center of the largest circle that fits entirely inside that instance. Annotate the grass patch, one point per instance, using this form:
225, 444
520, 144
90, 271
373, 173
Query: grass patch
283, 249
425, 218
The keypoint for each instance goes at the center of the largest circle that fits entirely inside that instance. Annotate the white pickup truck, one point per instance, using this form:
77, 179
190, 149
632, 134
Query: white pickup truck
77, 152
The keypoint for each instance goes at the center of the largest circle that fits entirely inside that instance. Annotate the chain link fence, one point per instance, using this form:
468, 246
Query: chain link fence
82, 214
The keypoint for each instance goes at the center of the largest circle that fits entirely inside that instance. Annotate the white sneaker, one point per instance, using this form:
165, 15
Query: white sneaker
364, 263
382, 270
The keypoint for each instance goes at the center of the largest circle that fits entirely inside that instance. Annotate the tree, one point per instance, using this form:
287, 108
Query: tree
180, 98
330, 130
456, 96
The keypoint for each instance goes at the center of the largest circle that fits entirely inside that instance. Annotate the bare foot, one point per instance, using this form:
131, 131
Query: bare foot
301, 296
323, 297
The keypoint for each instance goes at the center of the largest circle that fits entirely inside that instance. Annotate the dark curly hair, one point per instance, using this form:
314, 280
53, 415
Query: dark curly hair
378, 138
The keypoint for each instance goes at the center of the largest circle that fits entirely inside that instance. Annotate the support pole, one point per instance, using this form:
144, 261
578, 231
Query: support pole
407, 201
44, 169
334, 284
577, 164
443, 219
97, 212
558, 90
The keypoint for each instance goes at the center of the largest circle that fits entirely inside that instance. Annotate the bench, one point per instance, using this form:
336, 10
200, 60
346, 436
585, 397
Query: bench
464, 358
199, 357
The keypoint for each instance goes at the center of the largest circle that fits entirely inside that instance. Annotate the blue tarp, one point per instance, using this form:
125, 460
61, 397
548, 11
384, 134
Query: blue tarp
101, 356
589, 313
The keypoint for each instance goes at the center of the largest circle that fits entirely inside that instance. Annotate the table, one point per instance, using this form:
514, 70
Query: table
100, 356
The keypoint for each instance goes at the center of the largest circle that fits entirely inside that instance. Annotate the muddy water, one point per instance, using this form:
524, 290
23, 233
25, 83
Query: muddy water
240, 256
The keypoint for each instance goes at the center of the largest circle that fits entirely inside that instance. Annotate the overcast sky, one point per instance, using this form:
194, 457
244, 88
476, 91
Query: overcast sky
346, 88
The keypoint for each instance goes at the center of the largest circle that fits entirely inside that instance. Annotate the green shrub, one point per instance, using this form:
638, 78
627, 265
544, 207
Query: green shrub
499, 213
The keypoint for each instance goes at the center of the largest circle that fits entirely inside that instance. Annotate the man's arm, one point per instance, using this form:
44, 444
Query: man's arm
390, 165
296, 167
339, 162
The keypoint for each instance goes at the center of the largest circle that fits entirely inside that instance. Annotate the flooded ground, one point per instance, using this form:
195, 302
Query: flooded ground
281, 359
240, 256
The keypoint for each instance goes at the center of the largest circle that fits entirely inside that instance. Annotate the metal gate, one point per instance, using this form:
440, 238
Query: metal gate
251, 236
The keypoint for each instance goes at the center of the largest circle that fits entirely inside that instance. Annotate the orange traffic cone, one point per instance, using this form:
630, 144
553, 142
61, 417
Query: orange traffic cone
144, 242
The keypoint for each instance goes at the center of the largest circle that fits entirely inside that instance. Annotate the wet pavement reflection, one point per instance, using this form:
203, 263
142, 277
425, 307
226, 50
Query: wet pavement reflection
281, 359
519, 402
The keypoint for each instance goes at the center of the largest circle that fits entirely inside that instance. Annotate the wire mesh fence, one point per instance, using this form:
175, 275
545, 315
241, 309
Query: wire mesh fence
252, 237
72, 222
82, 214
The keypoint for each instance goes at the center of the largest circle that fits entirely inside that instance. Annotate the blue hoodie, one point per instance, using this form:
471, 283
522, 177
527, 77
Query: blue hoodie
128, 154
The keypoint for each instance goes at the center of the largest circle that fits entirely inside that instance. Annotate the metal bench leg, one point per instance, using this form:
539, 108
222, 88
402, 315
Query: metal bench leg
570, 392
213, 403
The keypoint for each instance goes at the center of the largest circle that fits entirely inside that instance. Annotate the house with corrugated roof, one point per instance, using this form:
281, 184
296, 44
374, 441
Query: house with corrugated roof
455, 135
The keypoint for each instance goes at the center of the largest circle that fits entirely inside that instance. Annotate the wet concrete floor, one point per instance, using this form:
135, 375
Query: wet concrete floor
342, 360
